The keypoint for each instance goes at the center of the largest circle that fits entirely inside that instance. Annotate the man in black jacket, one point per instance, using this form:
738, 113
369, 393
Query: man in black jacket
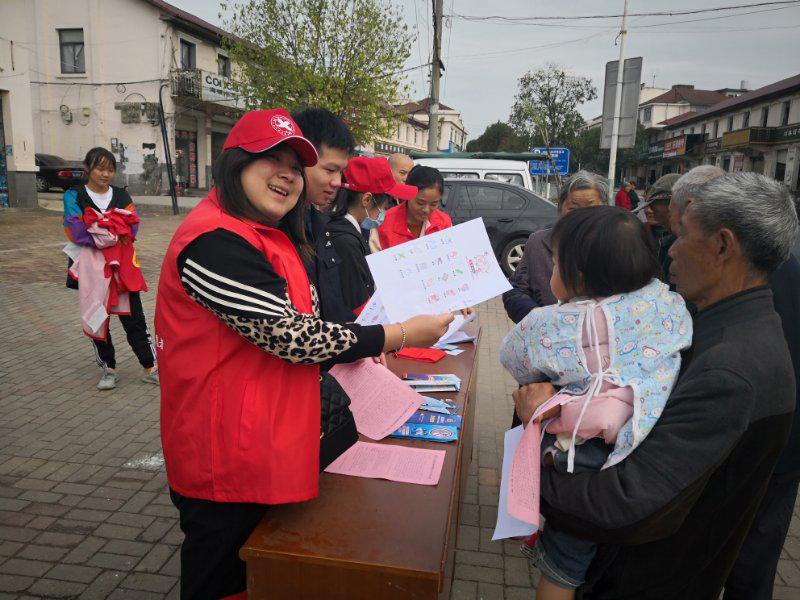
672, 517
334, 143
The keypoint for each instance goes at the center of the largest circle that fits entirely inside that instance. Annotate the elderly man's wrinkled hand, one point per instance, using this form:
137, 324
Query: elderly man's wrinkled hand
528, 398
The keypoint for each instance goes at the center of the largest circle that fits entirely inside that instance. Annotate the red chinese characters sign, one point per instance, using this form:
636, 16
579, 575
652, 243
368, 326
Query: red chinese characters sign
675, 146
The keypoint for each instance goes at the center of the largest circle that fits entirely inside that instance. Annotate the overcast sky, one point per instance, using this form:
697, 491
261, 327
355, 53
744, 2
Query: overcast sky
484, 59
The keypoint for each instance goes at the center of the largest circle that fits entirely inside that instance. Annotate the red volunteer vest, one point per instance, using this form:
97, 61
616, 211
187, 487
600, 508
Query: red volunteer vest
394, 229
237, 424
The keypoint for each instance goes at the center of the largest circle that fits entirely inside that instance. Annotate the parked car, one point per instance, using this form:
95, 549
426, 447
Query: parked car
55, 172
507, 171
510, 214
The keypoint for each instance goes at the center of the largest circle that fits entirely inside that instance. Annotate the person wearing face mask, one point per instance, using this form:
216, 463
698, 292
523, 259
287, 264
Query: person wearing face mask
360, 204
240, 342
418, 216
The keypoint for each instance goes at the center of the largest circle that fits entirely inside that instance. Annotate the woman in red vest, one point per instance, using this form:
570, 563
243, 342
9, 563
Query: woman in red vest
239, 344
420, 215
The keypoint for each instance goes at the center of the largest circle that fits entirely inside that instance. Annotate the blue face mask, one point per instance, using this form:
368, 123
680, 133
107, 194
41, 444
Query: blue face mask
370, 223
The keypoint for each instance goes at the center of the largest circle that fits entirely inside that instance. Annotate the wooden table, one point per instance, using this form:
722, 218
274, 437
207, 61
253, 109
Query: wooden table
371, 539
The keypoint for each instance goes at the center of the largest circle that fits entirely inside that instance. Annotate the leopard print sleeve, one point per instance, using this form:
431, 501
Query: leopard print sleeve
232, 279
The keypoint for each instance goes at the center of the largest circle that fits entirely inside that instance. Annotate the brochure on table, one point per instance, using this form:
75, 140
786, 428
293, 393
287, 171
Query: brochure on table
442, 272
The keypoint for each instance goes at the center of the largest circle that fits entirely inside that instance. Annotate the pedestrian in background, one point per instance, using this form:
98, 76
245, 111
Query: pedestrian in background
632, 195
622, 199
656, 211
97, 193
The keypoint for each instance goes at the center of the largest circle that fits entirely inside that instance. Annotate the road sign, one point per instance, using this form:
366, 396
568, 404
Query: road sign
560, 158
629, 111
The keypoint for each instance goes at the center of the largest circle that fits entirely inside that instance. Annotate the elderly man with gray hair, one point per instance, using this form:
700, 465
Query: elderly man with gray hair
671, 517
753, 574
530, 283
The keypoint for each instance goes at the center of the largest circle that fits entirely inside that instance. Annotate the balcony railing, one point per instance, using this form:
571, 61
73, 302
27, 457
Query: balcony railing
186, 83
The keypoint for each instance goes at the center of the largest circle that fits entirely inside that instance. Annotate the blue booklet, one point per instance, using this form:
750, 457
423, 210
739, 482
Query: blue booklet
433, 433
426, 418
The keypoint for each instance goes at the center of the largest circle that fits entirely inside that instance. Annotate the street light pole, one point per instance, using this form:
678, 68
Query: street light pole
433, 104
612, 157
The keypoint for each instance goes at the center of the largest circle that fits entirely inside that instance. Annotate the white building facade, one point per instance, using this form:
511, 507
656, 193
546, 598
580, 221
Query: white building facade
96, 69
756, 131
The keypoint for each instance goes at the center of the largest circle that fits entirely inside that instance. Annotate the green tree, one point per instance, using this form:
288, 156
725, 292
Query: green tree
498, 137
545, 110
586, 152
345, 55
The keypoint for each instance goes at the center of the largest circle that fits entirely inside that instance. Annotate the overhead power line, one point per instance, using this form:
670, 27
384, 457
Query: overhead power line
616, 16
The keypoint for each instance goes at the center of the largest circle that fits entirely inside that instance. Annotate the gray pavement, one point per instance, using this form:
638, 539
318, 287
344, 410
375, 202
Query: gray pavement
84, 510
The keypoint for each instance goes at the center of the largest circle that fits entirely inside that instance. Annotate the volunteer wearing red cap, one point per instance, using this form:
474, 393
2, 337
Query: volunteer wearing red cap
420, 215
239, 342
361, 203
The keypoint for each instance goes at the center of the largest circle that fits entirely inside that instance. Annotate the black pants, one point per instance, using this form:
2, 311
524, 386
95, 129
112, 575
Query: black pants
753, 575
210, 564
138, 337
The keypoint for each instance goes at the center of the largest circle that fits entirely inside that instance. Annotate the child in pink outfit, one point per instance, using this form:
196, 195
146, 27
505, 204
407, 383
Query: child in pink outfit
612, 346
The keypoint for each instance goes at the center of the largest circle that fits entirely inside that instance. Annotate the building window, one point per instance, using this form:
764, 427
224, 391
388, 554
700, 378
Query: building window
647, 114
705, 128
764, 116
416, 137
223, 65
730, 123
785, 112
72, 55
746, 119
692, 129
716, 129
188, 50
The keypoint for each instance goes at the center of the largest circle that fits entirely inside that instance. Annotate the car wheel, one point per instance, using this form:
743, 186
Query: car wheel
41, 184
512, 254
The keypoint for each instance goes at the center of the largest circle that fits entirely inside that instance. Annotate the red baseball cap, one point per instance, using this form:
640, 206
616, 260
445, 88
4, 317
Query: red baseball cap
260, 130
374, 175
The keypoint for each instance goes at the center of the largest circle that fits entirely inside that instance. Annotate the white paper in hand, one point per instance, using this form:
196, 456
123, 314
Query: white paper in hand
442, 272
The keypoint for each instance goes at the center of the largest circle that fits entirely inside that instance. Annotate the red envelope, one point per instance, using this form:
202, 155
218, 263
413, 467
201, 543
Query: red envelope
429, 355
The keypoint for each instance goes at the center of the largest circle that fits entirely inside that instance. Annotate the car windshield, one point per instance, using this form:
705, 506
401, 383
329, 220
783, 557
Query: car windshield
459, 175
514, 178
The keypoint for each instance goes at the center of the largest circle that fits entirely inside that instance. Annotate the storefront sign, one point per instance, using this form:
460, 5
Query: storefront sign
219, 89
654, 151
786, 134
675, 146
736, 138
715, 144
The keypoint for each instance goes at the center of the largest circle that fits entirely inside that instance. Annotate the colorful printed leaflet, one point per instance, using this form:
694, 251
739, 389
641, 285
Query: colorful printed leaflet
432, 433
442, 272
428, 419
379, 400
395, 463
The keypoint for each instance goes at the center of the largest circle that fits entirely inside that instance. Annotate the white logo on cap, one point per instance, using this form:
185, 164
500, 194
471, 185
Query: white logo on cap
282, 125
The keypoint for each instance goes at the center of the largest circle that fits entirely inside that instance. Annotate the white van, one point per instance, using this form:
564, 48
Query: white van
506, 171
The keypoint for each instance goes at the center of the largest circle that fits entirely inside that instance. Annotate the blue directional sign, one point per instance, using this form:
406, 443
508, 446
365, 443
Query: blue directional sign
560, 158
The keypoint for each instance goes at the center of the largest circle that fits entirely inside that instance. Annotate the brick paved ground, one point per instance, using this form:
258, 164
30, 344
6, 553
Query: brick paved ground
75, 521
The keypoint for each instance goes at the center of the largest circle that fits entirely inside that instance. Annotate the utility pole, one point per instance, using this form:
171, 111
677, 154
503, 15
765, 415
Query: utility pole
612, 157
433, 104
167, 155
